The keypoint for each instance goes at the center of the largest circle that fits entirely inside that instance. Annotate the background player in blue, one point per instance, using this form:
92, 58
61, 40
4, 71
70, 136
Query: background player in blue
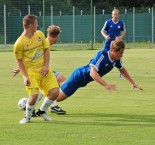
112, 29
100, 65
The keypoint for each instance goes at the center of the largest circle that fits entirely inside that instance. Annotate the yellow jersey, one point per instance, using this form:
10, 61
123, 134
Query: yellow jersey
31, 51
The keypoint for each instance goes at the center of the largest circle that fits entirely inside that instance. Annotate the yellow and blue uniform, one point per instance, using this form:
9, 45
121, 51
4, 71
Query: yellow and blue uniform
31, 51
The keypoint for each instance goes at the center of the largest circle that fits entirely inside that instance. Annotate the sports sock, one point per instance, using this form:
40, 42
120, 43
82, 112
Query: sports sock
46, 103
29, 110
54, 104
40, 95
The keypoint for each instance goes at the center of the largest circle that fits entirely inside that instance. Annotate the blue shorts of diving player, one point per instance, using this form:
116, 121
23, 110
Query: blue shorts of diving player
76, 80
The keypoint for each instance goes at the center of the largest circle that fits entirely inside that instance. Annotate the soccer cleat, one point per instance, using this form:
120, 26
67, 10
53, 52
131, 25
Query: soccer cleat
57, 110
24, 120
43, 115
33, 113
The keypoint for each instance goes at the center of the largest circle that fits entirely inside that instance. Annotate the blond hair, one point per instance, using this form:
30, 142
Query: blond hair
117, 45
115, 10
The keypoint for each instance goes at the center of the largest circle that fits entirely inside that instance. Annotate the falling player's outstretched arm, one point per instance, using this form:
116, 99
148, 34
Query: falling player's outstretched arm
126, 75
94, 74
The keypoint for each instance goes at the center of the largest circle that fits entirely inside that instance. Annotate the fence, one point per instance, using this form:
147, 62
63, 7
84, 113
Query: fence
76, 24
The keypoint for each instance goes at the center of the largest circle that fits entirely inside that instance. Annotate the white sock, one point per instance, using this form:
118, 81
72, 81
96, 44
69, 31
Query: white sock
54, 104
40, 95
29, 110
46, 103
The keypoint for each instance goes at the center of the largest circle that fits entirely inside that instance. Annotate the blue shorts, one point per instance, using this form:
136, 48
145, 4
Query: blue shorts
56, 73
76, 80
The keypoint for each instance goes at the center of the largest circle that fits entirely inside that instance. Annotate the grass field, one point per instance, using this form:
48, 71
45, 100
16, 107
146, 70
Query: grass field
94, 115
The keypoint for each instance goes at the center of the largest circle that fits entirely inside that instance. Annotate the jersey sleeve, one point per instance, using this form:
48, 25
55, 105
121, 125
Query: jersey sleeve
105, 27
123, 27
18, 50
97, 61
119, 64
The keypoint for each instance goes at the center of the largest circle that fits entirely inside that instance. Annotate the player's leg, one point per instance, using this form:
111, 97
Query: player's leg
61, 96
61, 79
50, 88
46, 104
70, 86
30, 105
54, 108
40, 95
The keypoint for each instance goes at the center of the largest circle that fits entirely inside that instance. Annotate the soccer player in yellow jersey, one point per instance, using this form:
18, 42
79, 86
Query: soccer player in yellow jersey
53, 32
32, 53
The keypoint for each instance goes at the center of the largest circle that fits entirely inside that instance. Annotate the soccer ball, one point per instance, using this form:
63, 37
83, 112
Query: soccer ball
22, 103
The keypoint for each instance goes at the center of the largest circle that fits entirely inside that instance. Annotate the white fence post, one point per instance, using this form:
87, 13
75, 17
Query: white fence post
60, 24
103, 11
39, 13
29, 9
5, 24
152, 26
94, 24
51, 15
73, 24
81, 26
133, 24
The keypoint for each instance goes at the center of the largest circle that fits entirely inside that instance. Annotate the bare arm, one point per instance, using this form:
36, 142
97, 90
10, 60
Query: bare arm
121, 36
23, 71
125, 74
94, 74
46, 62
105, 35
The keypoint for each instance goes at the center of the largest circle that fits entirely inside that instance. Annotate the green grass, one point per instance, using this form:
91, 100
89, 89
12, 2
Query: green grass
85, 46
94, 115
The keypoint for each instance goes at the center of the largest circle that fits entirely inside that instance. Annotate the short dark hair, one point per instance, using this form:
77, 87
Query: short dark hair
28, 19
53, 30
117, 45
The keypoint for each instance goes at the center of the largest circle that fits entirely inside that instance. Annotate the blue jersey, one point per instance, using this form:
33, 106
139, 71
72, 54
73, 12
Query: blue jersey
81, 76
113, 29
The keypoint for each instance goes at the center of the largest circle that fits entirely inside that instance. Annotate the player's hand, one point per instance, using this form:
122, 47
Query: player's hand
136, 86
45, 71
26, 81
15, 72
107, 37
119, 38
110, 87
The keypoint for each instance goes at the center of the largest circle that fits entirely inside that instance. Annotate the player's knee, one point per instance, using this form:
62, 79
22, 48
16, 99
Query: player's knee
53, 94
61, 97
32, 99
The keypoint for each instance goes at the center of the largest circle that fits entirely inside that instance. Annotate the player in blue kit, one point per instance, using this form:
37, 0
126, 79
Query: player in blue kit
112, 29
100, 65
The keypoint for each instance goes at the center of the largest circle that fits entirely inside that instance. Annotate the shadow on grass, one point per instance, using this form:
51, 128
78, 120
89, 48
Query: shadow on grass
109, 119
